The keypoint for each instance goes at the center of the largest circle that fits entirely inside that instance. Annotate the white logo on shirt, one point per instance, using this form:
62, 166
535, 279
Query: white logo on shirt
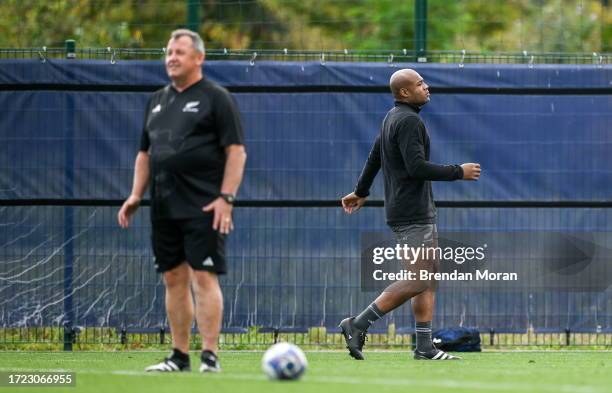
156, 109
191, 106
208, 262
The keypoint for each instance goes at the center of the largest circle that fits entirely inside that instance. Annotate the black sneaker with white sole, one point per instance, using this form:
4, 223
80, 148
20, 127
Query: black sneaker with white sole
210, 362
170, 364
354, 338
434, 354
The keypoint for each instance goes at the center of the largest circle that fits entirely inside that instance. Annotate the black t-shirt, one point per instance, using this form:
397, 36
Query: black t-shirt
402, 150
185, 135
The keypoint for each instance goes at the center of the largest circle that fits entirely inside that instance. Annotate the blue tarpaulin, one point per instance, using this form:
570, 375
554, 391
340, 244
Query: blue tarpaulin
70, 130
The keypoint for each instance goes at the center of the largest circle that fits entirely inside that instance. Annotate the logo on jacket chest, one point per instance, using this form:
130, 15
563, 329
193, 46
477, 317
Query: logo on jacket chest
191, 106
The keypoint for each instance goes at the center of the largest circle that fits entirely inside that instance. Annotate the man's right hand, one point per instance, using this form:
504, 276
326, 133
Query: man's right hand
471, 171
351, 203
127, 210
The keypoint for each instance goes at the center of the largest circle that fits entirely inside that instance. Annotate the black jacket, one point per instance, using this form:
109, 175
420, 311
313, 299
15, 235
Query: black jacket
402, 150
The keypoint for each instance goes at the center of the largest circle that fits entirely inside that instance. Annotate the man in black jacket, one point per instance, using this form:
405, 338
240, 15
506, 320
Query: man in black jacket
402, 151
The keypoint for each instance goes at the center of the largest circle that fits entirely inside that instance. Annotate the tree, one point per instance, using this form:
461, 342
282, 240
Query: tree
491, 25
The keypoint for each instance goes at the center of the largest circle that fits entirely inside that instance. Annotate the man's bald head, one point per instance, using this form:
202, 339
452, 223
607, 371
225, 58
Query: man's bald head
408, 86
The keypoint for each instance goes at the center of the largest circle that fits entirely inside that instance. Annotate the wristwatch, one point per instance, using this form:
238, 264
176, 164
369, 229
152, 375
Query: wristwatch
229, 198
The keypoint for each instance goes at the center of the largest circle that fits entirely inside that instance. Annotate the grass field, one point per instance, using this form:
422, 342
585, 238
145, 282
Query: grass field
572, 372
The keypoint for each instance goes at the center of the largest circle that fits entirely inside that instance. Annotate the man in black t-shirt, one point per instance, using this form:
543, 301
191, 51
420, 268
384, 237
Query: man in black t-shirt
192, 154
402, 151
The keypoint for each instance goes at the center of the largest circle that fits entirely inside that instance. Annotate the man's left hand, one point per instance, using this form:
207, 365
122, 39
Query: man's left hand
222, 220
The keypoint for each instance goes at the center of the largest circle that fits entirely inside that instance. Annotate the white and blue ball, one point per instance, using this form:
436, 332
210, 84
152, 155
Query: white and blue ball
284, 361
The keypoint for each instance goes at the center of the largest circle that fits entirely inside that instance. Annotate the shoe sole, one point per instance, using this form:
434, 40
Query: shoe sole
210, 370
356, 354
184, 370
420, 357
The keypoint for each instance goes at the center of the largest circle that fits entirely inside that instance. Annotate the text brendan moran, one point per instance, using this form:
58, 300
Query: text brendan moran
423, 275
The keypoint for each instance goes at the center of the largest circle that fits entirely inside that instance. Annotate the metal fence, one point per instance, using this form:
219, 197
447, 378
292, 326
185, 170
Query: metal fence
294, 275
253, 55
92, 338
62, 252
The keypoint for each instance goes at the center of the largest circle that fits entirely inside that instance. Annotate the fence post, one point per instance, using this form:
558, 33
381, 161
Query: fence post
193, 15
70, 47
420, 30
69, 225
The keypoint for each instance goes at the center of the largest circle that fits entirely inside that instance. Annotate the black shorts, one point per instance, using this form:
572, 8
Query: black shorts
192, 240
416, 235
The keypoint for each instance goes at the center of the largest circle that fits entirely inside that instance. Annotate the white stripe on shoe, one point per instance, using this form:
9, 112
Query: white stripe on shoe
439, 355
166, 365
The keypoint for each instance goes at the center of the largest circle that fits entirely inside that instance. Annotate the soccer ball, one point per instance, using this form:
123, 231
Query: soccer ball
284, 361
